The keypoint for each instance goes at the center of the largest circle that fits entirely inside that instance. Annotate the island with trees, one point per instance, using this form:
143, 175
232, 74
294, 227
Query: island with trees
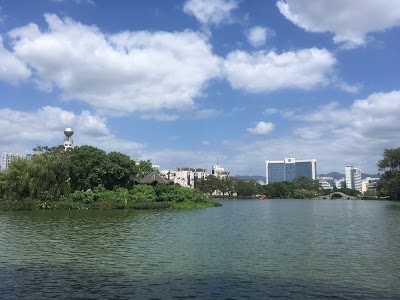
88, 177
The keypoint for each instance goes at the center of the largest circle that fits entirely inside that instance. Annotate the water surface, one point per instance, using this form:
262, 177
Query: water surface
293, 249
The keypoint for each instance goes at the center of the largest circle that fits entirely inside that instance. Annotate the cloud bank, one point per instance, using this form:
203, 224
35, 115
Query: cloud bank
123, 72
349, 20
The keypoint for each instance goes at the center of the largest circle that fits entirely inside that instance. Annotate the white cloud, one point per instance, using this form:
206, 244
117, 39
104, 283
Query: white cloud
45, 126
268, 71
119, 73
262, 128
12, 69
349, 20
271, 111
257, 36
211, 12
372, 118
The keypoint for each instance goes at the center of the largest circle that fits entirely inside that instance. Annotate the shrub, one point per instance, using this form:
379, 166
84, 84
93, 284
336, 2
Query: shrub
86, 197
142, 193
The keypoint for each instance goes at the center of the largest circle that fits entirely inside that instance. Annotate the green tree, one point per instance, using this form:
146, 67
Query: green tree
227, 185
279, 189
121, 171
15, 181
246, 188
389, 184
48, 176
87, 166
209, 185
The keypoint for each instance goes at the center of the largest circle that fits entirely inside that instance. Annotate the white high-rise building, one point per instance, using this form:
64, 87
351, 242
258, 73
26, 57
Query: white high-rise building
353, 178
7, 157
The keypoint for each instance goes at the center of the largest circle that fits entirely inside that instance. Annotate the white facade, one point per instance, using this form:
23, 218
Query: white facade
7, 157
184, 176
369, 183
353, 178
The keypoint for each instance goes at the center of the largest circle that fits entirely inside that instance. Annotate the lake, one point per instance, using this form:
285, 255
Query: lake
292, 249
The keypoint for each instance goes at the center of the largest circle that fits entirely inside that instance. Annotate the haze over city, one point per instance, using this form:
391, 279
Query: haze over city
184, 82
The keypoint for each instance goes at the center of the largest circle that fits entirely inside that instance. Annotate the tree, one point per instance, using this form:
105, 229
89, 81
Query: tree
44, 177
279, 189
209, 185
227, 186
389, 184
121, 171
246, 188
49, 178
87, 166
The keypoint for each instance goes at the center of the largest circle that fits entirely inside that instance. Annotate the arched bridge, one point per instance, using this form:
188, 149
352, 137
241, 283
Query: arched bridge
340, 195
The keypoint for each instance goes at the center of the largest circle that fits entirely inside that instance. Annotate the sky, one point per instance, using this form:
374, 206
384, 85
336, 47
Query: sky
189, 83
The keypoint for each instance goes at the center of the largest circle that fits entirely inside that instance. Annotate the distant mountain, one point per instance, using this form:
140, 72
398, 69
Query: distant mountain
338, 176
334, 175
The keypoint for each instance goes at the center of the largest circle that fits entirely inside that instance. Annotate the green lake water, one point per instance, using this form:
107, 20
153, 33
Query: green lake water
246, 249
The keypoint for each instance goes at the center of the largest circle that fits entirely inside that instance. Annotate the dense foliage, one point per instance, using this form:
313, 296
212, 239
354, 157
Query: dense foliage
86, 177
389, 184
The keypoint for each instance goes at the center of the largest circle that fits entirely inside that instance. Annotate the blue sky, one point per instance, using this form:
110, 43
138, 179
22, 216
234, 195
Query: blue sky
184, 82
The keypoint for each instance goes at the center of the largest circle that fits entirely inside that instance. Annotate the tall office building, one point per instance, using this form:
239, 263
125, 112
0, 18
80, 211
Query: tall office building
7, 157
289, 169
353, 178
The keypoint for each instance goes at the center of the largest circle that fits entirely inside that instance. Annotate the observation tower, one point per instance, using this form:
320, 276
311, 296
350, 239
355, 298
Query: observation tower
68, 140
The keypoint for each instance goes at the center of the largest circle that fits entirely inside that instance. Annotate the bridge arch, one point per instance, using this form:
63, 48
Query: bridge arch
340, 195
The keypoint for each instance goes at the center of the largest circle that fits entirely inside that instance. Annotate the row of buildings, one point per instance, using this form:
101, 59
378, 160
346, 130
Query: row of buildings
276, 171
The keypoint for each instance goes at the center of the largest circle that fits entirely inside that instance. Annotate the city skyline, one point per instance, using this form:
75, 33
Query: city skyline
184, 82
